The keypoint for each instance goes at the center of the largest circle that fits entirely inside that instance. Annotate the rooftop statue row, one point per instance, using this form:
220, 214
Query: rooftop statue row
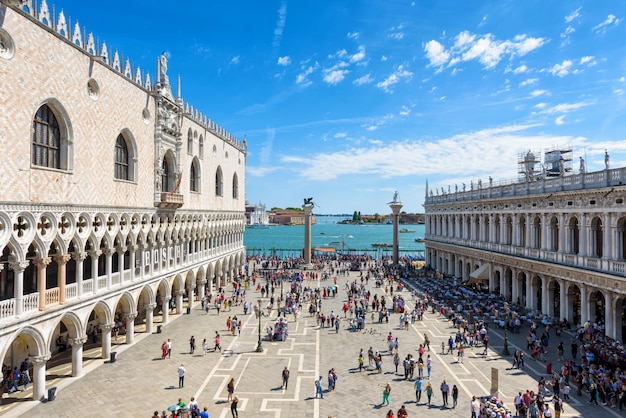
102, 53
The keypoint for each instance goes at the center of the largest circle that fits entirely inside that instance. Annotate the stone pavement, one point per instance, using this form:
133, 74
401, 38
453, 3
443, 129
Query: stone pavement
140, 382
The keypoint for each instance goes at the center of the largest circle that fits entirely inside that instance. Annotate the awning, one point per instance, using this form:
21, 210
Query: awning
324, 249
480, 275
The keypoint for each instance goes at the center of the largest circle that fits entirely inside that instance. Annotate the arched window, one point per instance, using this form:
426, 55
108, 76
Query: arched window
189, 142
167, 178
46, 141
218, 182
201, 147
194, 176
121, 159
235, 186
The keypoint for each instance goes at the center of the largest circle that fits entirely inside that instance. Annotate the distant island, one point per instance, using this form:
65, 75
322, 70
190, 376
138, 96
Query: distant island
405, 218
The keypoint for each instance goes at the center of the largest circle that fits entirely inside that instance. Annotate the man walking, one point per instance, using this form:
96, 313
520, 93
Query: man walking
318, 388
418, 390
445, 389
285, 375
181, 376
169, 348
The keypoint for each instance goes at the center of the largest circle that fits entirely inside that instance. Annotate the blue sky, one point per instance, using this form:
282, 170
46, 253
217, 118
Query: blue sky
347, 101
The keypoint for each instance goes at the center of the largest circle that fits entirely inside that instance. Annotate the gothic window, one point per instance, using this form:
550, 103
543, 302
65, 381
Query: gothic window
235, 186
189, 142
194, 176
218, 182
46, 139
201, 147
167, 178
121, 159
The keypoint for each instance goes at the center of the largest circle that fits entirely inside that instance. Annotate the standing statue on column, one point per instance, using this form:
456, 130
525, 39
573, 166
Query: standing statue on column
582, 165
490, 181
607, 163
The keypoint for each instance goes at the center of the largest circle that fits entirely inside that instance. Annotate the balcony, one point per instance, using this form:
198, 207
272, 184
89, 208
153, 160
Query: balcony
170, 201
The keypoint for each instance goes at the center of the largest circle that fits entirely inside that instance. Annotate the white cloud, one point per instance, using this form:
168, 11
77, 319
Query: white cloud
562, 69
359, 55
341, 135
564, 107
384, 58
372, 128
573, 15
521, 69
405, 111
284, 60
537, 93
394, 78
353, 35
589, 59
568, 31
469, 152
560, 120
486, 49
541, 105
332, 76
604, 26
302, 78
436, 53
397, 35
366, 79
235, 59
618, 92
280, 25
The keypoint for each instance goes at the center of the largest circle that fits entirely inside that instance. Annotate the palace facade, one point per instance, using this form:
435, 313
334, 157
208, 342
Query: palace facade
556, 245
118, 200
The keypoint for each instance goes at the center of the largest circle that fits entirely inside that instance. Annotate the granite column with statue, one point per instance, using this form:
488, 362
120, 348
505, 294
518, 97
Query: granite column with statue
308, 208
395, 206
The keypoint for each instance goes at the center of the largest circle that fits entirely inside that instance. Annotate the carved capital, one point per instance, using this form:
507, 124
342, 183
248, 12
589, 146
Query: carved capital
78, 341
62, 258
122, 250
107, 327
43, 261
18, 266
79, 256
150, 306
130, 316
95, 253
37, 360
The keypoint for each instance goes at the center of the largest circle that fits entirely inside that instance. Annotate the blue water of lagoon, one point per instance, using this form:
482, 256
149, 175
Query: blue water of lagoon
288, 240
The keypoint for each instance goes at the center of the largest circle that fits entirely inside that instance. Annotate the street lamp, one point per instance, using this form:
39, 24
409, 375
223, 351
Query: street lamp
259, 347
505, 349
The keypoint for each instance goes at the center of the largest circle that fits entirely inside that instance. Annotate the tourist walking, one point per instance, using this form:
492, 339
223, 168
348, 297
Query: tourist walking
429, 365
233, 407
455, 395
445, 389
217, 342
164, 350
204, 347
181, 376
230, 388
418, 390
285, 376
402, 412
474, 407
386, 393
169, 348
318, 388
429, 392
192, 344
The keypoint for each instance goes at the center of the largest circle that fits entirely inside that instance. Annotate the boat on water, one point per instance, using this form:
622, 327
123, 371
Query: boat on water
406, 231
257, 226
420, 239
382, 245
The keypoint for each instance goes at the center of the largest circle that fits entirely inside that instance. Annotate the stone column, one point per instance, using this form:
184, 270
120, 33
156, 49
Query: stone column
563, 302
39, 376
584, 233
120, 262
42, 264
61, 261
190, 295
79, 257
609, 324
109, 266
77, 355
562, 233
131, 262
395, 206
130, 327
165, 303
515, 286
530, 295
95, 254
308, 208
18, 268
106, 340
179, 302
584, 304
202, 288
607, 234
544, 231
150, 317
545, 300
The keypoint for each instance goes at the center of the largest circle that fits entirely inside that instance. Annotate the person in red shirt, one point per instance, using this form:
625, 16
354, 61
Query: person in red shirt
402, 412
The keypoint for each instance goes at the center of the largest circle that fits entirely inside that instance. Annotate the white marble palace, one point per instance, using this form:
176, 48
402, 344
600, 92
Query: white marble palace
118, 203
553, 244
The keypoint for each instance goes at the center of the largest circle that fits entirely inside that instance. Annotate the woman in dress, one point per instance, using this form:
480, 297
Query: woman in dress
164, 349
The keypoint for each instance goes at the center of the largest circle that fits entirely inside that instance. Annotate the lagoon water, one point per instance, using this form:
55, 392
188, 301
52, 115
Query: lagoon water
288, 240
